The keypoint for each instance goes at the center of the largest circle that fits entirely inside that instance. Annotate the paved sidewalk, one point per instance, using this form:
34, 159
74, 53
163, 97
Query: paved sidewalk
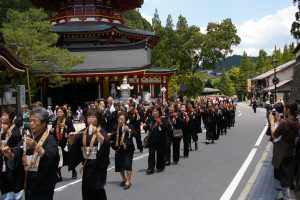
265, 184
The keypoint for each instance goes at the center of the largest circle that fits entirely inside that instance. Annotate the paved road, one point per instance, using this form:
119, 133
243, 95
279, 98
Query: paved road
205, 175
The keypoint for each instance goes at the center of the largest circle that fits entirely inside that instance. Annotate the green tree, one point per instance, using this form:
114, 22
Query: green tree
287, 54
295, 29
224, 84
263, 63
134, 19
208, 49
194, 84
247, 71
35, 46
233, 75
5, 5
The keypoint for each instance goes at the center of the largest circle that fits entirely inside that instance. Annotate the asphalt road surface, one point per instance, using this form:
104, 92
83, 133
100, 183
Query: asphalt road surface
214, 171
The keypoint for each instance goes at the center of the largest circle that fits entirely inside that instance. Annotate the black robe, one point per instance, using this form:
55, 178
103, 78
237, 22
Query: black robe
123, 157
63, 142
12, 180
95, 171
41, 184
211, 125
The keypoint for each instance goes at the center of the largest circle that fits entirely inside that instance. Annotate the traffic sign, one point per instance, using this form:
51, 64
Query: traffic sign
275, 80
183, 87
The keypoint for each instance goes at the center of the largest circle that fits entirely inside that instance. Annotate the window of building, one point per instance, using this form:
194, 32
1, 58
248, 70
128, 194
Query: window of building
156, 90
146, 88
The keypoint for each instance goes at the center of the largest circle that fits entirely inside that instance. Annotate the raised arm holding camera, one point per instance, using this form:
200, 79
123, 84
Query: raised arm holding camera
284, 136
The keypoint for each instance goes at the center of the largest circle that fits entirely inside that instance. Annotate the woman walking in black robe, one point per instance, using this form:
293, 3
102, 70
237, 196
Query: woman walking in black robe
60, 130
121, 142
211, 123
91, 147
157, 143
11, 178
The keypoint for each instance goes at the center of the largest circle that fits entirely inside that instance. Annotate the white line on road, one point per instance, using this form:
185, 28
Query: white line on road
261, 136
236, 180
74, 182
238, 177
240, 114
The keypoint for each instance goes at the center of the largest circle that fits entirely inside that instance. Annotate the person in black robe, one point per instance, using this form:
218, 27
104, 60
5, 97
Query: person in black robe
166, 120
134, 120
39, 157
185, 129
11, 178
121, 142
157, 143
211, 123
177, 125
61, 128
91, 147
193, 127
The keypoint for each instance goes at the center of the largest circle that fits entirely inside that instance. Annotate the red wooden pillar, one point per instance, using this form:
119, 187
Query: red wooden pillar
139, 87
43, 90
100, 87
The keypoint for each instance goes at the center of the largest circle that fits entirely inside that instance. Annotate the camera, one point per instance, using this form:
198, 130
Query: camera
273, 112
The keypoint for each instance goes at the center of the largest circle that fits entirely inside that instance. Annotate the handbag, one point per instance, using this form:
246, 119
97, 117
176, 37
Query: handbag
146, 141
177, 133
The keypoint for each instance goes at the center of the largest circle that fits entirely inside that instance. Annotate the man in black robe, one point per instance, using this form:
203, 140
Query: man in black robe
40, 158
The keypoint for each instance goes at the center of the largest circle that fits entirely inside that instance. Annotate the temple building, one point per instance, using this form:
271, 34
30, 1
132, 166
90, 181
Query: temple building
11, 64
96, 30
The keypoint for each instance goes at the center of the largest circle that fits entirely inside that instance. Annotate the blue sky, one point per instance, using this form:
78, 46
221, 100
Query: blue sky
261, 24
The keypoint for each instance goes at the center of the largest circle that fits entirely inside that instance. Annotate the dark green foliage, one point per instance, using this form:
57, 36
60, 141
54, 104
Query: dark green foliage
135, 20
224, 84
35, 45
295, 29
5, 5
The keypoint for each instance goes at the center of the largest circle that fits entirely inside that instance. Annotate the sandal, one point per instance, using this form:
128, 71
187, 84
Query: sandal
126, 187
122, 183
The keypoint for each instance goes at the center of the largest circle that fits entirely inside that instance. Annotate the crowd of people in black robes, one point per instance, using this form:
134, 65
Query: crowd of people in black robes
32, 156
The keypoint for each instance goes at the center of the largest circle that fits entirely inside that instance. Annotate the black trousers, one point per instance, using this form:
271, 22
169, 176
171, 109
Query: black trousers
159, 150
186, 143
168, 152
176, 149
89, 193
38, 195
138, 139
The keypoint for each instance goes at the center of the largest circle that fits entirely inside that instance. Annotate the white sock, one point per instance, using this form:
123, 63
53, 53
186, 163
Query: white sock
286, 193
9, 196
19, 195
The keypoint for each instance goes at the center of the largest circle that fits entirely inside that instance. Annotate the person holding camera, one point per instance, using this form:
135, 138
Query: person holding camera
284, 136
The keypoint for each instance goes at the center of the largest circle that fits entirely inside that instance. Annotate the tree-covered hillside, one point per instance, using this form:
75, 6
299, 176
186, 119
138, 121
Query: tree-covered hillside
135, 20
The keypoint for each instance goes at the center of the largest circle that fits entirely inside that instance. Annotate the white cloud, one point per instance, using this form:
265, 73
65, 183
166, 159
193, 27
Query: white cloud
148, 18
266, 32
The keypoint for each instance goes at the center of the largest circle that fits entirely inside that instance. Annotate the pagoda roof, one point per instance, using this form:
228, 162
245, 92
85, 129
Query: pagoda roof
118, 5
160, 70
8, 60
72, 28
105, 62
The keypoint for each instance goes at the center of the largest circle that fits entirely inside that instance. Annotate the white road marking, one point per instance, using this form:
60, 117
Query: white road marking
77, 181
236, 180
261, 136
238, 177
240, 114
